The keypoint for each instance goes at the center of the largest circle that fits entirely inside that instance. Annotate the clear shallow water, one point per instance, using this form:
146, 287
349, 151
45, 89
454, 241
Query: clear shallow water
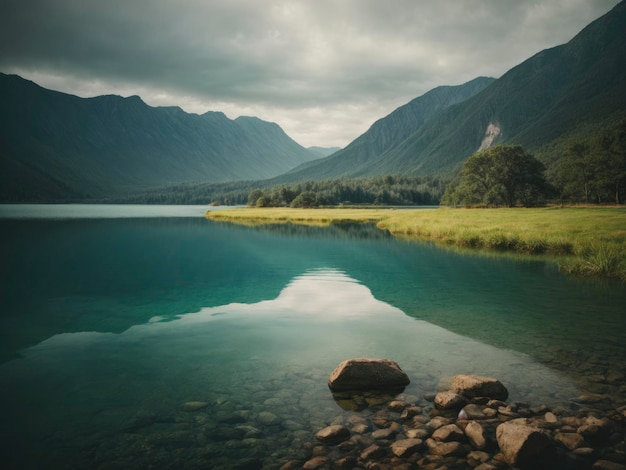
110, 325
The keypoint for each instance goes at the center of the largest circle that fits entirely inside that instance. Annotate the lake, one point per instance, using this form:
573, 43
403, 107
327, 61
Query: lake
150, 337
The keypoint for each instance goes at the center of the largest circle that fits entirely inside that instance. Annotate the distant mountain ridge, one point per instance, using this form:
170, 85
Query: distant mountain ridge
560, 91
58, 146
387, 133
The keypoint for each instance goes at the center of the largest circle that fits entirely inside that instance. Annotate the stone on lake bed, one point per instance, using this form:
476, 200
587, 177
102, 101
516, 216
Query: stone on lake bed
194, 405
367, 374
333, 434
471, 386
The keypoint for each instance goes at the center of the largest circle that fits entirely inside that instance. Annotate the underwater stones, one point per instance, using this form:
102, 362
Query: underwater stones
449, 432
194, 405
267, 418
570, 440
367, 374
449, 400
333, 434
523, 445
476, 435
472, 386
406, 447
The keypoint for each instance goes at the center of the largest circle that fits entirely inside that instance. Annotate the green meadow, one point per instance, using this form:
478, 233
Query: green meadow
589, 241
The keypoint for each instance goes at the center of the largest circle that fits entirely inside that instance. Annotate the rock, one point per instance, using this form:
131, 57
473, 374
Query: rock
268, 418
595, 428
194, 405
346, 462
550, 417
570, 440
397, 406
417, 433
589, 398
373, 452
411, 411
476, 435
524, 446
367, 374
476, 457
333, 434
472, 411
450, 432
386, 433
449, 401
607, 465
445, 448
315, 462
472, 386
438, 421
406, 447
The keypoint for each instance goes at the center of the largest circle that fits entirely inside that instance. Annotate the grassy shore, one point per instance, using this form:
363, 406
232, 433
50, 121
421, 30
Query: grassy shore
585, 240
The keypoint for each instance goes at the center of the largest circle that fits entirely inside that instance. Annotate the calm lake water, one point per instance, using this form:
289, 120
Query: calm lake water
112, 318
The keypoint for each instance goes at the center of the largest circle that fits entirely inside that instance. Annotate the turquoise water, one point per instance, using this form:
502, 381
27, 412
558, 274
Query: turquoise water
111, 323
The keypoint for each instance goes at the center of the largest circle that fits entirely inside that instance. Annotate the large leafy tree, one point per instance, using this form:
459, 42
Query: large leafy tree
504, 175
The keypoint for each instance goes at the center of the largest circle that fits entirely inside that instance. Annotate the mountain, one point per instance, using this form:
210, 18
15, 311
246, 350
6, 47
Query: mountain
563, 91
323, 151
55, 146
387, 133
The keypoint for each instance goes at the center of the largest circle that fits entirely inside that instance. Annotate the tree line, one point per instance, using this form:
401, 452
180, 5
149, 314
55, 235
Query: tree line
379, 190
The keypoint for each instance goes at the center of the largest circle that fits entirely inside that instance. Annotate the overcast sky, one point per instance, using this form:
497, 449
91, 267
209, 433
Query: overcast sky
324, 70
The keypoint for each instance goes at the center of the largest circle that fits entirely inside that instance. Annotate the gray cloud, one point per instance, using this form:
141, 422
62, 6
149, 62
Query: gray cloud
324, 70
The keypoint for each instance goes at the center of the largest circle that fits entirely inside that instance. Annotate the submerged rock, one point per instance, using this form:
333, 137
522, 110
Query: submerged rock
367, 374
333, 434
523, 445
471, 386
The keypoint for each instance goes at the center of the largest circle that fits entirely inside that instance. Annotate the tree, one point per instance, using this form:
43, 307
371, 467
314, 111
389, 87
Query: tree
501, 175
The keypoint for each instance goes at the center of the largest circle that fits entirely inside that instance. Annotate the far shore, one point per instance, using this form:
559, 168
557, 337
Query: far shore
587, 241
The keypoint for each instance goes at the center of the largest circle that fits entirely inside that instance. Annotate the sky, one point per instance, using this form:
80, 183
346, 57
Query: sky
324, 70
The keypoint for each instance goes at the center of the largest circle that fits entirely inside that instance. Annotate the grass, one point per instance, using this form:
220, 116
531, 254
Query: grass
588, 241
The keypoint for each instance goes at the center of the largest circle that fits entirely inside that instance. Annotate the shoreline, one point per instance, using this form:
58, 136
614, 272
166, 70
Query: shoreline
583, 241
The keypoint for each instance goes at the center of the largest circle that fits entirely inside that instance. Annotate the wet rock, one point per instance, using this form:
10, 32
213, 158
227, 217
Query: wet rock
386, 433
449, 400
524, 446
477, 386
607, 465
346, 463
365, 374
438, 421
316, 462
450, 432
417, 433
445, 448
550, 417
411, 411
471, 412
194, 405
373, 452
590, 398
397, 406
267, 418
595, 428
333, 434
476, 457
570, 440
406, 447
476, 435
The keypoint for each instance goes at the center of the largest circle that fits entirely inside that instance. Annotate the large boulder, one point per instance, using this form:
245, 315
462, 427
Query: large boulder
524, 446
367, 374
471, 386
